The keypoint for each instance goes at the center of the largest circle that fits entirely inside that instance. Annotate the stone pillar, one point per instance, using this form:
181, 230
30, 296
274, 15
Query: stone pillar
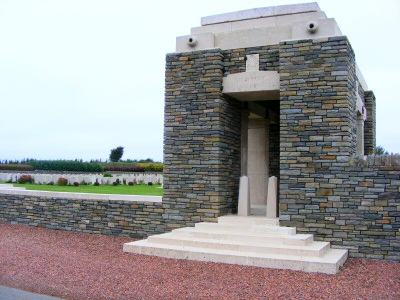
360, 135
202, 132
274, 150
318, 128
244, 197
272, 200
244, 143
258, 164
370, 123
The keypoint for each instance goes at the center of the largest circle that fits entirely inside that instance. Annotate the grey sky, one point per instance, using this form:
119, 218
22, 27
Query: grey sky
78, 78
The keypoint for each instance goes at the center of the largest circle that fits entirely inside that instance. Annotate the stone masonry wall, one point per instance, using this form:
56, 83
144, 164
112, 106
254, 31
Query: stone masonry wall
202, 133
317, 122
201, 140
274, 150
115, 217
321, 190
235, 59
362, 216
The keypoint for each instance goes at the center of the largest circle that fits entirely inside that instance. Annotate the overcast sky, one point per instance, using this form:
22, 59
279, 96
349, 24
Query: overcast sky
80, 77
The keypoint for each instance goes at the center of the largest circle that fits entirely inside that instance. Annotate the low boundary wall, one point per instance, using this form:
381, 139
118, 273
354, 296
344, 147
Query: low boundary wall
119, 215
45, 178
354, 207
357, 209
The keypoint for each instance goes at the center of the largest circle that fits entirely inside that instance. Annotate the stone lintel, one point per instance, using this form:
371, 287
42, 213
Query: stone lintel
262, 12
252, 85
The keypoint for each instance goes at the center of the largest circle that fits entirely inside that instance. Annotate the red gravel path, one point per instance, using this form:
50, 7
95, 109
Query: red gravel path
84, 266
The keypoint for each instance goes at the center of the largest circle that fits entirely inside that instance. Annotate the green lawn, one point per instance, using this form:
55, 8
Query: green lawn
142, 189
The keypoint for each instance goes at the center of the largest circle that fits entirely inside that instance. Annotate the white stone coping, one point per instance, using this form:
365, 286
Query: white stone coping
361, 79
66, 195
260, 13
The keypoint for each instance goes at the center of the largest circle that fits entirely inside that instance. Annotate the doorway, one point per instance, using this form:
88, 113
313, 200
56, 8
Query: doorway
260, 125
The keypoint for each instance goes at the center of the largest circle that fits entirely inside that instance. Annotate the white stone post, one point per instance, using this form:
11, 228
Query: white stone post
272, 199
244, 197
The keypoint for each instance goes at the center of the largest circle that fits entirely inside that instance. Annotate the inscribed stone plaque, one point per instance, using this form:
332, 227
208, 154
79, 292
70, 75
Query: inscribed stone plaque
252, 62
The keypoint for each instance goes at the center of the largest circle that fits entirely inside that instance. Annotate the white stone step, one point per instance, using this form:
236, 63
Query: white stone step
10, 187
296, 239
254, 241
313, 249
5, 186
248, 221
329, 263
265, 229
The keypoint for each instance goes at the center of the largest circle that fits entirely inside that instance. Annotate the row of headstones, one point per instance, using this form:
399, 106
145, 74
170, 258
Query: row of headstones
80, 178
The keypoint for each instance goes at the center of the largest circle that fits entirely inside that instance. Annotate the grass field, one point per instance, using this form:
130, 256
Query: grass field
142, 189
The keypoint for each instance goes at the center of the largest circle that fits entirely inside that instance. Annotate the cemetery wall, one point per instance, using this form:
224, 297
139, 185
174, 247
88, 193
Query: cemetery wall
362, 214
109, 217
46, 177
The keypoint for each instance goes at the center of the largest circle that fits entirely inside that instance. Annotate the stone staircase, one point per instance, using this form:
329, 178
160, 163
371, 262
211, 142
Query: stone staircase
253, 241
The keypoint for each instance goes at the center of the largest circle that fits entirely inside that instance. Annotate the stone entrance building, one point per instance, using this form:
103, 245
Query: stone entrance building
266, 92
276, 91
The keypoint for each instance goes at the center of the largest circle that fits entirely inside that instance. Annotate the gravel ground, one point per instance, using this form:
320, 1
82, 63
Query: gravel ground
85, 266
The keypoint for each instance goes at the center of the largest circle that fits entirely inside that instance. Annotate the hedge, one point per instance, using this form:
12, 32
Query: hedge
152, 167
16, 167
135, 169
77, 166
65, 165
